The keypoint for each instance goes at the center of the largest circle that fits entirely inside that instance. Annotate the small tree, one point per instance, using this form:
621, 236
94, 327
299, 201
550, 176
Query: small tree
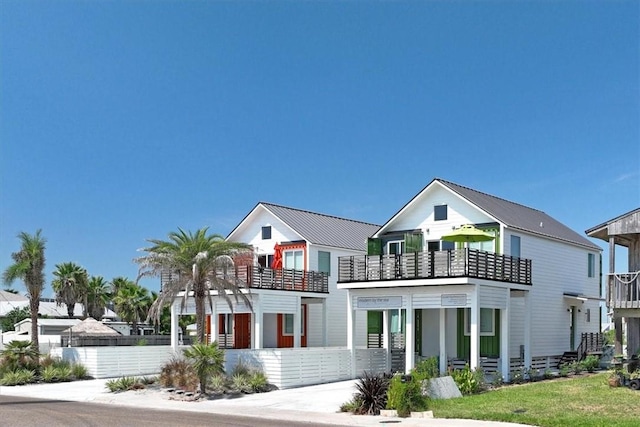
28, 266
14, 316
207, 360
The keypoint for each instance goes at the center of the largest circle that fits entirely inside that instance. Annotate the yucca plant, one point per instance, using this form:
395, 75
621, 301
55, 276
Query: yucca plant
121, 384
258, 382
218, 383
19, 355
240, 383
79, 371
18, 377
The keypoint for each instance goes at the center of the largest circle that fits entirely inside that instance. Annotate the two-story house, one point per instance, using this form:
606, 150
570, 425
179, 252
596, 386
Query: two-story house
521, 298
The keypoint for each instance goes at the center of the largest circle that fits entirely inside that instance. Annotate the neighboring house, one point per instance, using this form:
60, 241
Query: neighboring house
522, 299
623, 288
294, 296
292, 281
49, 331
47, 308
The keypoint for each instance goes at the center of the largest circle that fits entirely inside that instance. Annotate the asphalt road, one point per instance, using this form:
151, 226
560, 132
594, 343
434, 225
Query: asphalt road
26, 412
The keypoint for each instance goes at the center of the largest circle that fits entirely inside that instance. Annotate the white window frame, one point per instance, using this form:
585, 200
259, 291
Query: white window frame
393, 242
467, 322
292, 251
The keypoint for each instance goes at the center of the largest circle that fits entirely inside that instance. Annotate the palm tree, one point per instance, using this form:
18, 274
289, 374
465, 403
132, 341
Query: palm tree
131, 303
207, 360
28, 266
70, 285
193, 263
97, 296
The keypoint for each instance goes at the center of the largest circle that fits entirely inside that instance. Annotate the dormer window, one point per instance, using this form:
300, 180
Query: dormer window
440, 213
266, 232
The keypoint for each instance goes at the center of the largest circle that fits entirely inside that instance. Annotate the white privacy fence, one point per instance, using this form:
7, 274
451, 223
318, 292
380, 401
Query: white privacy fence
284, 367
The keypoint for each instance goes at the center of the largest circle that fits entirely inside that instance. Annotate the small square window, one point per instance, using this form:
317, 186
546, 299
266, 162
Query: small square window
440, 213
266, 232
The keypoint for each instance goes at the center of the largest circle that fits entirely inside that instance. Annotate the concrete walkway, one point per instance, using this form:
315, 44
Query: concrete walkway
318, 403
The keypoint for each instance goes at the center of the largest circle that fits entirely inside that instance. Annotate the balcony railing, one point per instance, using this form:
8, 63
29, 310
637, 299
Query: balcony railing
256, 277
623, 290
434, 265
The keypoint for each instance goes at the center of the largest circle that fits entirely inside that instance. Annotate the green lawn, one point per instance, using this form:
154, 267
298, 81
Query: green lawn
578, 401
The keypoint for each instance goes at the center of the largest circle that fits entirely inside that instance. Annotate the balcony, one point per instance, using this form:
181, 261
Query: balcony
434, 265
257, 277
623, 290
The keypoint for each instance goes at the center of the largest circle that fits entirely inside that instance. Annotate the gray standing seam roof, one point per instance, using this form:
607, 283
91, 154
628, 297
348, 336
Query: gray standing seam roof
520, 217
326, 230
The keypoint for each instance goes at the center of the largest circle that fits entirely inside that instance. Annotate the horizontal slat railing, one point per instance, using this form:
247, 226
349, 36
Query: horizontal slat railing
435, 264
623, 290
255, 276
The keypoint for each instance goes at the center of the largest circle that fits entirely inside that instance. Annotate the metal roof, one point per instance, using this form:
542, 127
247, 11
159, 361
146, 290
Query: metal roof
325, 230
518, 216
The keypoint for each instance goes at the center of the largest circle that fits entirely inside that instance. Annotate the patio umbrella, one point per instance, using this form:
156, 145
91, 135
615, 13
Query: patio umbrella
467, 233
276, 263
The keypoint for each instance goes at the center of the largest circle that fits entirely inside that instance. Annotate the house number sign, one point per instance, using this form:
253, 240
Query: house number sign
379, 302
453, 300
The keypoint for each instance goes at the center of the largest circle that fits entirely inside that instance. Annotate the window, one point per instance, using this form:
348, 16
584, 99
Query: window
488, 246
591, 261
487, 321
447, 246
324, 262
515, 246
266, 232
287, 323
440, 213
395, 247
433, 246
293, 260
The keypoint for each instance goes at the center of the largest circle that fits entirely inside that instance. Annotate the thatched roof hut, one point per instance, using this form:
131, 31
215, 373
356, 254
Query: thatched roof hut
90, 327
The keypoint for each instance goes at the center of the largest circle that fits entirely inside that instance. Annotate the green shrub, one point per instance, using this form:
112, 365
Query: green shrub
590, 363
352, 405
218, 383
52, 373
79, 371
468, 381
405, 395
18, 377
564, 370
19, 355
121, 384
498, 379
258, 382
547, 374
428, 368
240, 383
206, 360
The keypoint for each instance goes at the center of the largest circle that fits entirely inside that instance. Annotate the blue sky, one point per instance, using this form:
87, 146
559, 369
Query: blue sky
121, 121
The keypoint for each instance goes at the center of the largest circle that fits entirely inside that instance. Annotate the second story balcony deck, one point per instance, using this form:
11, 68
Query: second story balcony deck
257, 277
435, 265
623, 290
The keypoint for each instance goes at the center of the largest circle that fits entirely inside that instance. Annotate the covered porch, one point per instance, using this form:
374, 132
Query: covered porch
274, 319
479, 322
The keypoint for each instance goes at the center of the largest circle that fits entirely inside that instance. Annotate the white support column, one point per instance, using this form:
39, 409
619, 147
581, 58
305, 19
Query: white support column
257, 319
504, 338
213, 323
409, 339
474, 361
386, 338
527, 329
351, 331
443, 340
325, 324
297, 320
174, 327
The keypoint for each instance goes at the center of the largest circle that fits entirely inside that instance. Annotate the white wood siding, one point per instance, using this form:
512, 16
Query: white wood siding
420, 214
556, 268
251, 232
491, 297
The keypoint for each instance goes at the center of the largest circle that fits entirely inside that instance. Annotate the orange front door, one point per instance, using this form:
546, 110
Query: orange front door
242, 330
